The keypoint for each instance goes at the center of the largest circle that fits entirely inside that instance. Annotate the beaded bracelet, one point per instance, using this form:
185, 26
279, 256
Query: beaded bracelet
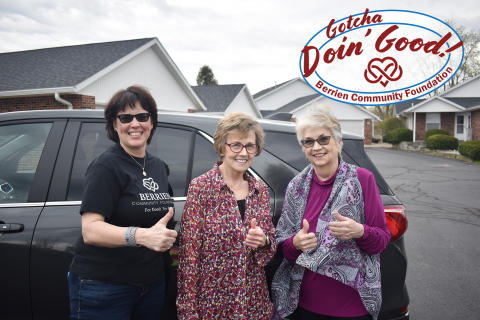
130, 237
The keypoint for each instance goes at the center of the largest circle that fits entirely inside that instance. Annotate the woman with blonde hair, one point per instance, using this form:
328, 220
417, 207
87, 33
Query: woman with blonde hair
227, 235
331, 231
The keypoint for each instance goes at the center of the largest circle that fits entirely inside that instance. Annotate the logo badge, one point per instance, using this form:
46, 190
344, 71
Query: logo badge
381, 57
150, 184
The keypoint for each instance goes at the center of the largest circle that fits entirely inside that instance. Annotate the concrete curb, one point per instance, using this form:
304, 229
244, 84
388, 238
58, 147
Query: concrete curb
378, 145
438, 153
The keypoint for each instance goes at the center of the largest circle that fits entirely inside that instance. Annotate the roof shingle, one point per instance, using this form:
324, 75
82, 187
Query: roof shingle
61, 66
265, 91
465, 102
217, 98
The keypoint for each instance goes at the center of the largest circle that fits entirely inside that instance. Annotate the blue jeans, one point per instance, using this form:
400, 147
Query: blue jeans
91, 299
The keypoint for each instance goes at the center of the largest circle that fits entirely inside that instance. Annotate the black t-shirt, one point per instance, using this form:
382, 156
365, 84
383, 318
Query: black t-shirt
116, 188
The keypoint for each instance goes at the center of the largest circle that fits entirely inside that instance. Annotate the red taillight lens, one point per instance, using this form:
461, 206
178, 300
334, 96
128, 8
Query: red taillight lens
404, 309
396, 220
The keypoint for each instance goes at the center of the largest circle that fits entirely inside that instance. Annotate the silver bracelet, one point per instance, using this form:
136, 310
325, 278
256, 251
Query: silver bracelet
130, 237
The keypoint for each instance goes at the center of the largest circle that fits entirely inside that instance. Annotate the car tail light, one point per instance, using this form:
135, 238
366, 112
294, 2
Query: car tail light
396, 220
404, 309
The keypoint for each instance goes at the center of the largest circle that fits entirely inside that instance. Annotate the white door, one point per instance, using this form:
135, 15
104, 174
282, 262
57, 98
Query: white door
462, 126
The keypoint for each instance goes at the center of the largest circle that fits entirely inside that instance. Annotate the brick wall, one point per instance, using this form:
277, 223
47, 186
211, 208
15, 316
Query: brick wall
46, 102
367, 131
475, 125
447, 122
421, 120
30, 160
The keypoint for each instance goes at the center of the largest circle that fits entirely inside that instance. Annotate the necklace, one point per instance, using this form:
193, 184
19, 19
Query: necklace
143, 168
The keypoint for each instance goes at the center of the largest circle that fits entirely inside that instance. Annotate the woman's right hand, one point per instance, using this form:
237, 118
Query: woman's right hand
158, 237
304, 241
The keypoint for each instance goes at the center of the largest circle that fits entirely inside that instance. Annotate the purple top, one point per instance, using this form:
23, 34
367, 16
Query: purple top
335, 298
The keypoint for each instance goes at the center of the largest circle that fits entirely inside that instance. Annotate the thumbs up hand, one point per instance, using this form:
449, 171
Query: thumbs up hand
255, 237
304, 241
158, 237
346, 228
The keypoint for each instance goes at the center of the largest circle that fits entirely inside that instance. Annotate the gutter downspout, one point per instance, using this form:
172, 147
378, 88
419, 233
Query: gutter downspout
65, 102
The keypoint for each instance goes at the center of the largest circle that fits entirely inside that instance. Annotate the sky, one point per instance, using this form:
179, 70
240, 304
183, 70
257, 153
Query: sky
257, 43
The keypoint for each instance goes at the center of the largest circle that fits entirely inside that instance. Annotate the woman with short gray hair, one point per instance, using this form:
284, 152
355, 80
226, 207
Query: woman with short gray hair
331, 231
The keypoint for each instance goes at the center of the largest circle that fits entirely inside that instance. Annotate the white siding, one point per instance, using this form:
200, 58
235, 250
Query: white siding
436, 105
148, 70
408, 121
342, 111
352, 126
242, 104
351, 117
468, 90
284, 95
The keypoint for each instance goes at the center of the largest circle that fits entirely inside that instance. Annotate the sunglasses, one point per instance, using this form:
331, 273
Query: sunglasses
323, 141
127, 118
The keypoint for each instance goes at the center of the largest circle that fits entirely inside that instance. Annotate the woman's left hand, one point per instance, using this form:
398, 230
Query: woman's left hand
346, 228
255, 237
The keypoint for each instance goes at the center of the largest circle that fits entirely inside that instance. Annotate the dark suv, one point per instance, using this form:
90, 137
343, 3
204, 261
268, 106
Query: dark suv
43, 159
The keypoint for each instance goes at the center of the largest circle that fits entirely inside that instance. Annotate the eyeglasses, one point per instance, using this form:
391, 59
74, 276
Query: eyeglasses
127, 118
238, 147
323, 140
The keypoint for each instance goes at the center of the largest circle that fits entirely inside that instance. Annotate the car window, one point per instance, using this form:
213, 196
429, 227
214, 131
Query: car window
204, 156
173, 147
91, 143
21, 146
286, 147
169, 144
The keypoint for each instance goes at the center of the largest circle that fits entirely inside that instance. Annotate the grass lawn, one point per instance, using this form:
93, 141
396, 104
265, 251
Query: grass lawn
477, 162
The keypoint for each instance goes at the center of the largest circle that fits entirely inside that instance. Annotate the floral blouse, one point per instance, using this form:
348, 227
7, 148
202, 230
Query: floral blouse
219, 277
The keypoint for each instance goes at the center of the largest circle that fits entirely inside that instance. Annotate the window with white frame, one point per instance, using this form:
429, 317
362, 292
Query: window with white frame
460, 120
433, 121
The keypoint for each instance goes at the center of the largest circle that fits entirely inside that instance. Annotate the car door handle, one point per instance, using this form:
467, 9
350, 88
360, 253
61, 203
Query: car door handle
11, 227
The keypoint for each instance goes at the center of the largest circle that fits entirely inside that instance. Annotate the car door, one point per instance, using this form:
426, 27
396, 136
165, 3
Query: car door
59, 225
28, 151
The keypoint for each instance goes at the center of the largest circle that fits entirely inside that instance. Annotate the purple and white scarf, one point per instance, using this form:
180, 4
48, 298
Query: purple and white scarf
341, 260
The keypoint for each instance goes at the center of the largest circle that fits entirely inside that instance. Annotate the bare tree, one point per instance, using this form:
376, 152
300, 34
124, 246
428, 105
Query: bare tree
471, 60
384, 112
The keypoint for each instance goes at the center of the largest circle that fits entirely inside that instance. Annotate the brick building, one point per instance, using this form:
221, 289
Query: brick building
456, 110
86, 76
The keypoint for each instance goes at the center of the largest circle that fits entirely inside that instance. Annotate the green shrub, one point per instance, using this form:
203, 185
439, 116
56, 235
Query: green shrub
390, 124
470, 149
399, 135
430, 133
442, 142
374, 140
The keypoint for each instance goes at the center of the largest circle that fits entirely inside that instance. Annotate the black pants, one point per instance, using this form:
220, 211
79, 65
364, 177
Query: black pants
309, 315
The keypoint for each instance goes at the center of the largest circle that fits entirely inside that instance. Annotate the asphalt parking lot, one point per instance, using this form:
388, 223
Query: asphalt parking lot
442, 197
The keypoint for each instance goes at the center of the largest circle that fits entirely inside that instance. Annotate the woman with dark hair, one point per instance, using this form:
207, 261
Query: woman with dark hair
227, 234
117, 269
